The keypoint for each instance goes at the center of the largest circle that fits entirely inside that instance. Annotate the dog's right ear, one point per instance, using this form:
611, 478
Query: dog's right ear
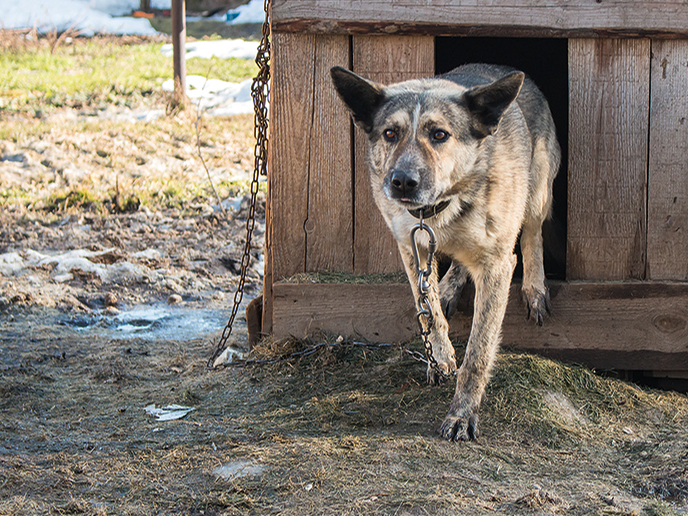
488, 102
360, 95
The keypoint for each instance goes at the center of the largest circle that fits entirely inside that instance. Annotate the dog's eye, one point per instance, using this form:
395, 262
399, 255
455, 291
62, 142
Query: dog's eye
439, 135
390, 135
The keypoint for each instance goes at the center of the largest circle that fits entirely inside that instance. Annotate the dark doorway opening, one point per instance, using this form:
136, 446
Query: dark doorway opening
545, 60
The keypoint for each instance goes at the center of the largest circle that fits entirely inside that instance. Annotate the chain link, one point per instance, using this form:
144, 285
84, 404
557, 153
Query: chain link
424, 308
260, 90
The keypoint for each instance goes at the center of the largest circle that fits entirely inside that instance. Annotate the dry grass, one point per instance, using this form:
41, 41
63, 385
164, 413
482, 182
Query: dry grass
346, 430
343, 277
108, 165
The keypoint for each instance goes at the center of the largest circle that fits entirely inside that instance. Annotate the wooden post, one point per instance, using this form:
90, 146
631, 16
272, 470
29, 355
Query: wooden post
145, 6
179, 48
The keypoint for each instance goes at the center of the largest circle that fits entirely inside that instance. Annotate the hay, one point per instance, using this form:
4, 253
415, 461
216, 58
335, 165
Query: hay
344, 277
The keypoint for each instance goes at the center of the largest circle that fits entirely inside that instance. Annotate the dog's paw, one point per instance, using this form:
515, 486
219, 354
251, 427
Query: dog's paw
537, 304
460, 427
436, 377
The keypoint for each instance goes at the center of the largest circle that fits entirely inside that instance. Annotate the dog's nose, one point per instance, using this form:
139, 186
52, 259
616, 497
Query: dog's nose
404, 183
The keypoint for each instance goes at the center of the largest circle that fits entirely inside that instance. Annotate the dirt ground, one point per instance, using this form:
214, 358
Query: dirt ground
130, 317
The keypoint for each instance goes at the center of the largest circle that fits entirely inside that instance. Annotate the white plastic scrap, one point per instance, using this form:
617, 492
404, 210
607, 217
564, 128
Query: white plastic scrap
239, 469
168, 413
227, 356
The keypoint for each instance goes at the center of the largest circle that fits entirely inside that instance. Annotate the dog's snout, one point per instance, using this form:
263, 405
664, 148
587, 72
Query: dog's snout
404, 183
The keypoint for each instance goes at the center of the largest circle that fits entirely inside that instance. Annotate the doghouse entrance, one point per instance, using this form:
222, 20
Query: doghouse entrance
546, 61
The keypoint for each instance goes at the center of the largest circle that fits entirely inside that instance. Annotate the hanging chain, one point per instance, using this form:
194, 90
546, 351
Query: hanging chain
424, 308
260, 90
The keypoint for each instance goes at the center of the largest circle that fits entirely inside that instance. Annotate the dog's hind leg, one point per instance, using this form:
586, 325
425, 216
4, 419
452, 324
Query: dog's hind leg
543, 169
442, 348
491, 296
451, 286
534, 288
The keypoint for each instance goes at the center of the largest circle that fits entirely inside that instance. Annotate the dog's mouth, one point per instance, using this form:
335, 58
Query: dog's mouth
413, 203
409, 204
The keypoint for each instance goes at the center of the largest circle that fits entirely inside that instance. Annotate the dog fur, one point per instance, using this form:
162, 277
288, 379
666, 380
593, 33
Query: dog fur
481, 137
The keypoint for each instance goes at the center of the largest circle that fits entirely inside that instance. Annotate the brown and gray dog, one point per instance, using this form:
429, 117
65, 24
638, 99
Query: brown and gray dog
480, 167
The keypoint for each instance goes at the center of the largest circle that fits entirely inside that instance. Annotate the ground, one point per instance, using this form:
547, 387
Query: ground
131, 316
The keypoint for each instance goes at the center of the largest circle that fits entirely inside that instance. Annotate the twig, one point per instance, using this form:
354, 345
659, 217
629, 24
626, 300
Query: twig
71, 31
200, 155
198, 147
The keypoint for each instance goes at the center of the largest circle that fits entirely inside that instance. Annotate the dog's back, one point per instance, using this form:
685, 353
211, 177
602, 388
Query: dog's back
530, 100
535, 109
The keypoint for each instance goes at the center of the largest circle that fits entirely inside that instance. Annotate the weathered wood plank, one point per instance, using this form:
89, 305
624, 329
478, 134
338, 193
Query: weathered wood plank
608, 132
329, 223
378, 313
268, 302
608, 325
667, 246
291, 114
534, 18
386, 60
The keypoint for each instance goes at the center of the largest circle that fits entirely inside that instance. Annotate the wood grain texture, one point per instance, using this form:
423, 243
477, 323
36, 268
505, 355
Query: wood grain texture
386, 60
608, 325
542, 18
608, 133
311, 174
329, 223
266, 322
667, 249
291, 112
378, 313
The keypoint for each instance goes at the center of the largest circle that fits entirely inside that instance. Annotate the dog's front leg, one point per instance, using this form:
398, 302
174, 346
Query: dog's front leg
491, 296
442, 349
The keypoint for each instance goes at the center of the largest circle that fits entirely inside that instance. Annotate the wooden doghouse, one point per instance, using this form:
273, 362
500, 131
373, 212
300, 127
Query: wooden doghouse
616, 75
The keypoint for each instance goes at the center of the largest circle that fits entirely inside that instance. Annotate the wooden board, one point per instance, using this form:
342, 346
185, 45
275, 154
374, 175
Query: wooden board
310, 148
329, 223
291, 113
548, 18
386, 60
667, 246
608, 132
633, 325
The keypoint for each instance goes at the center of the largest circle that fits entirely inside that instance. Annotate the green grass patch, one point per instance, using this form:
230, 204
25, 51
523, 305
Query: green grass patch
97, 70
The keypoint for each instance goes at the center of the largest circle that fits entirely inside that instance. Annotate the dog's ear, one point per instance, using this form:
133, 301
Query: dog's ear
487, 103
361, 96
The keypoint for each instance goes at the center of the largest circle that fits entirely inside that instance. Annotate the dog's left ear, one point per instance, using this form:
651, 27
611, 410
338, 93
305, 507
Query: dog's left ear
488, 103
361, 96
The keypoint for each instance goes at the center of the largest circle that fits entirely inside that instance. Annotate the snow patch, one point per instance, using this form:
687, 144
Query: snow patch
88, 17
223, 49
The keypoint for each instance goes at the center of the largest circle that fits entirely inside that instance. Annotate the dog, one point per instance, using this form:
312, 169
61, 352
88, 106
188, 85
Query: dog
474, 152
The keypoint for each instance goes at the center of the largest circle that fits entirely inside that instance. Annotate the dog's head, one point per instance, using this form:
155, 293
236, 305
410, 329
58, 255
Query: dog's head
424, 135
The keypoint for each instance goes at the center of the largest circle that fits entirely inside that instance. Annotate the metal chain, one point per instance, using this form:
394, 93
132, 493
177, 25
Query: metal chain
424, 308
260, 90
307, 352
